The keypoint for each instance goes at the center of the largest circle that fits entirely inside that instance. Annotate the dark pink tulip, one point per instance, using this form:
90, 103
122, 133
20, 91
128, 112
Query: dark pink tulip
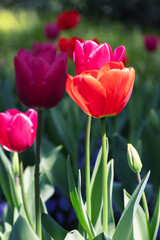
38, 47
51, 31
40, 79
150, 42
89, 55
17, 129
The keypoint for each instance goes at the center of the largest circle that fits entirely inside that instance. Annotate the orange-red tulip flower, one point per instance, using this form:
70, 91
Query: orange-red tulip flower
103, 92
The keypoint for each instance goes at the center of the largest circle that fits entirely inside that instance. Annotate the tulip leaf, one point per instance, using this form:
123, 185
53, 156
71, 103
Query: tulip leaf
96, 195
102, 236
140, 230
7, 181
123, 230
74, 235
53, 229
156, 219
78, 203
21, 230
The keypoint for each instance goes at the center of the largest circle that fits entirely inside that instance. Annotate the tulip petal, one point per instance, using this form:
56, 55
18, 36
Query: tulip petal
99, 57
4, 121
20, 132
55, 80
118, 85
89, 93
119, 53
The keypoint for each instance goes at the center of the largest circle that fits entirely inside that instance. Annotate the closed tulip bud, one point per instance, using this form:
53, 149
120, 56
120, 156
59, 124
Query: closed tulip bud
15, 164
134, 160
51, 31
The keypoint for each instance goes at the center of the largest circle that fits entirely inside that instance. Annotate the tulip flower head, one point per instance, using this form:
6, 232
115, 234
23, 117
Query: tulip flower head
89, 55
17, 129
40, 78
68, 20
68, 45
151, 42
103, 92
51, 31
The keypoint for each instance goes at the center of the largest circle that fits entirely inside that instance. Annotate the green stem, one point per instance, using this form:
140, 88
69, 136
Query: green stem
23, 192
145, 206
104, 176
87, 166
37, 187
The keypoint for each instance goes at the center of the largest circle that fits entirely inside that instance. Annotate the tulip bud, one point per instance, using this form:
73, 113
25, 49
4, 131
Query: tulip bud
15, 163
134, 160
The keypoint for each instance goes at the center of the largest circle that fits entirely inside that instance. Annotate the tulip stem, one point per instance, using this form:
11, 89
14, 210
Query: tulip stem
145, 206
87, 166
104, 176
23, 192
37, 163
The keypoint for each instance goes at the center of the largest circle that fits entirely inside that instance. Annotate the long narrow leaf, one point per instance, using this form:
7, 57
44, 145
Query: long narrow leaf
124, 227
7, 181
53, 228
156, 219
140, 230
76, 202
22, 231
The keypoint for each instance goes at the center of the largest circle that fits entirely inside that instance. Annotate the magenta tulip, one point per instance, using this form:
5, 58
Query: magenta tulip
17, 129
51, 31
151, 42
40, 79
89, 55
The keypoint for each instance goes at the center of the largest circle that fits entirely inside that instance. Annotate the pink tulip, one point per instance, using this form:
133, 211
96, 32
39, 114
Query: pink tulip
38, 47
89, 55
150, 42
51, 31
17, 129
40, 79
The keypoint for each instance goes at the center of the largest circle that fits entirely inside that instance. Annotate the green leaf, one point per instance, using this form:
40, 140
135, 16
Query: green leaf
96, 190
74, 235
78, 204
96, 195
7, 181
156, 219
124, 227
102, 236
140, 230
53, 228
22, 230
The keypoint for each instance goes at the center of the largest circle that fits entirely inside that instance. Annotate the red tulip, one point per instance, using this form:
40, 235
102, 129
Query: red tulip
40, 79
103, 92
38, 47
151, 42
89, 55
17, 129
68, 19
51, 31
68, 45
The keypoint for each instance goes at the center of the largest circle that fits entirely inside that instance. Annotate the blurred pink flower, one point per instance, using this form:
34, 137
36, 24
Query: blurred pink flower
51, 31
17, 129
151, 42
